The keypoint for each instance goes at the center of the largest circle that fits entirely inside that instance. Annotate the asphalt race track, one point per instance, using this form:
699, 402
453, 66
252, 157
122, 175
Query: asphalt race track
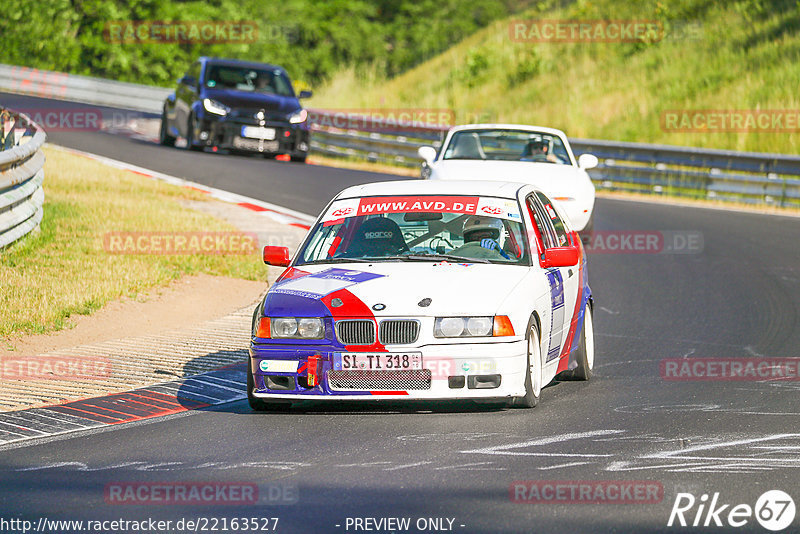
736, 296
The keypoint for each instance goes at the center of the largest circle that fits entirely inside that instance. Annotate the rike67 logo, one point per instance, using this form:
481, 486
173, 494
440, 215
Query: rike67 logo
774, 510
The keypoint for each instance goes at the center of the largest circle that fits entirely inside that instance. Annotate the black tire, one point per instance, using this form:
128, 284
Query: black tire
585, 353
531, 398
163, 133
258, 404
299, 159
190, 135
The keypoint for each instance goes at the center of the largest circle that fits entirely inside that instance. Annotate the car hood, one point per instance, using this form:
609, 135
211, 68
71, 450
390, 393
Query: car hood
453, 289
248, 100
554, 180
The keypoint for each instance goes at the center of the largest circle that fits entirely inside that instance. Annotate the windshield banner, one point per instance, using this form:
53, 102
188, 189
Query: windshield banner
495, 207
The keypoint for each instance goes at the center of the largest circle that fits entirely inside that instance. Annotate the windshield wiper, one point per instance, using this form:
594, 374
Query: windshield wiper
426, 256
342, 260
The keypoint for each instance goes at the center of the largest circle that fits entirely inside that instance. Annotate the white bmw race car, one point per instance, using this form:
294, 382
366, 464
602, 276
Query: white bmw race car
416, 290
517, 153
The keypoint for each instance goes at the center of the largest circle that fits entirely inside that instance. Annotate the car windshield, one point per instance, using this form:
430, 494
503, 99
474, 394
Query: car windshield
458, 229
267, 81
507, 145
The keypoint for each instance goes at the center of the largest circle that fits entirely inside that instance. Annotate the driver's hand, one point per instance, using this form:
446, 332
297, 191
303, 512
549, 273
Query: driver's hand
491, 244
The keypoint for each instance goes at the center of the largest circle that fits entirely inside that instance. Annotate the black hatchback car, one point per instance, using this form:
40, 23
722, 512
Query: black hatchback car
237, 105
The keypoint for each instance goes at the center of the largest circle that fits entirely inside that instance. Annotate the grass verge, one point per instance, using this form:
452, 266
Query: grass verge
64, 269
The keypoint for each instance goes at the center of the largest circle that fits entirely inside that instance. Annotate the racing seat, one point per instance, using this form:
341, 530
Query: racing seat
468, 147
378, 236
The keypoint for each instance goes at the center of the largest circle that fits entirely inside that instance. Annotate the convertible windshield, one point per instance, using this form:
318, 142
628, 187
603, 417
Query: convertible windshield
457, 229
508, 145
271, 81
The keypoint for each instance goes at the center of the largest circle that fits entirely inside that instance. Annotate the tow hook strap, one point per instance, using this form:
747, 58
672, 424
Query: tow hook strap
313, 369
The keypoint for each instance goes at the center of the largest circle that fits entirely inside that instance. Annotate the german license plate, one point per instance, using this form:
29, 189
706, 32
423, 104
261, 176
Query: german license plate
258, 132
351, 361
255, 144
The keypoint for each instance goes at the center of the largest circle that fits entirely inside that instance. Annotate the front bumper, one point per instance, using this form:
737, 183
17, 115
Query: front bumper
579, 212
226, 133
482, 366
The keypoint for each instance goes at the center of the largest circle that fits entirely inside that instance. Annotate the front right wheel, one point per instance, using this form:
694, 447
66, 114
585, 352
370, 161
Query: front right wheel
533, 373
190, 128
164, 137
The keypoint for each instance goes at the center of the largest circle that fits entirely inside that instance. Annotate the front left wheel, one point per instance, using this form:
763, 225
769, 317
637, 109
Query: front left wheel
585, 354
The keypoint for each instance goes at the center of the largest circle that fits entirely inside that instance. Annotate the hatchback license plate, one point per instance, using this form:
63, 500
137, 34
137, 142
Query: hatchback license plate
254, 144
258, 132
348, 361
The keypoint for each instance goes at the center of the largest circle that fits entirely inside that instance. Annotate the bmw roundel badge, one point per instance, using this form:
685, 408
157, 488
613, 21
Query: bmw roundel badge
379, 307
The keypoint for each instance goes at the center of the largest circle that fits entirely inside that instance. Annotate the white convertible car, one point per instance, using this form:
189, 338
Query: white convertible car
416, 290
517, 153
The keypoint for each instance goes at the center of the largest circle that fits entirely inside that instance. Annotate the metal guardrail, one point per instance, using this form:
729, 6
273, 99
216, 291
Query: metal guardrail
98, 91
21, 176
749, 177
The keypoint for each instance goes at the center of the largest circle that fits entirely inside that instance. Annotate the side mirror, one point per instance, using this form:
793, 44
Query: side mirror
588, 161
561, 257
277, 256
305, 94
427, 153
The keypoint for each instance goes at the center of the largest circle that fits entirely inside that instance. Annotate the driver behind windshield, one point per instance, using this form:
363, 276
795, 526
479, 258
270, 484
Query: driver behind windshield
538, 150
482, 237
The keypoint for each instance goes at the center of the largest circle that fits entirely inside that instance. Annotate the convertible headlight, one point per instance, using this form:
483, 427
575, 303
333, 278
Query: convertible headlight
499, 325
217, 108
296, 328
298, 117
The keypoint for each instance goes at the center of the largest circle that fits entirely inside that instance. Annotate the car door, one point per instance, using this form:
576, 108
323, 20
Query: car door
563, 281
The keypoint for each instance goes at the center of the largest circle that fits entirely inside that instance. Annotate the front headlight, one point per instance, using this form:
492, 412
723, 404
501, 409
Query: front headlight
297, 328
499, 325
217, 108
298, 117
